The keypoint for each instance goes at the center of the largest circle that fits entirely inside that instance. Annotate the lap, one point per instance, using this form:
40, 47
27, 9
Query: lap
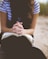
13, 42
20, 48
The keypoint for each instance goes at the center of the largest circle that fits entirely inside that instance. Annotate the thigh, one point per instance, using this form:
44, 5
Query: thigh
14, 41
8, 42
20, 48
17, 47
8, 46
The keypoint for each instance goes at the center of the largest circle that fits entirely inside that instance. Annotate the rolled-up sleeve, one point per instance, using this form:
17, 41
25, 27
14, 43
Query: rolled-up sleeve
3, 7
36, 7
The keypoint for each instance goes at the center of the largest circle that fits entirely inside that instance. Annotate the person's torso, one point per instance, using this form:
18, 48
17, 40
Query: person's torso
21, 15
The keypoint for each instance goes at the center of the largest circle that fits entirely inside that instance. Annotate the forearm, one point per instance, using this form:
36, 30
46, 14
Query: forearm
5, 29
28, 31
33, 24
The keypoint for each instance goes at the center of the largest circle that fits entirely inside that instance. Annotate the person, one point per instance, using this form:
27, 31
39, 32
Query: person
19, 17
22, 18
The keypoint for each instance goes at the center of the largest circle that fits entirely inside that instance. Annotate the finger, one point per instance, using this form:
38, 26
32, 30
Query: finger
15, 24
19, 32
17, 29
21, 23
18, 24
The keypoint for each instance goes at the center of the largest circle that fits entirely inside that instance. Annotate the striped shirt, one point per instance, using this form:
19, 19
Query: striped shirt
5, 7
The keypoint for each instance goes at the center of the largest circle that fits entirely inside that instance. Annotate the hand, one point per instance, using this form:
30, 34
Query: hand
17, 27
24, 31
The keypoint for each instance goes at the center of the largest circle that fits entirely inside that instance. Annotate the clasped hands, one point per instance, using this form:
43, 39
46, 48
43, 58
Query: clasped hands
18, 28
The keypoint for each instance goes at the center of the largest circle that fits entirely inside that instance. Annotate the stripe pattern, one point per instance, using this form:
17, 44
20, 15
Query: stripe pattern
5, 7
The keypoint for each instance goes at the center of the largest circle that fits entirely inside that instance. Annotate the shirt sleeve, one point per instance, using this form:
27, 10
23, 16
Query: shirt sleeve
36, 7
3, 7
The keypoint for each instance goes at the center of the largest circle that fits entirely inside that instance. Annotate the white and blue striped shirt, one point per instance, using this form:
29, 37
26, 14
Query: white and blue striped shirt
5, 7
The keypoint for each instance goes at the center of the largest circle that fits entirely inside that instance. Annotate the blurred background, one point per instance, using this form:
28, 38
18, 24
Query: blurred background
41, 30
43, 7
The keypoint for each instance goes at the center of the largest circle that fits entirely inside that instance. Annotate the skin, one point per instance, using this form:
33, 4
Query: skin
18, 27
0, 22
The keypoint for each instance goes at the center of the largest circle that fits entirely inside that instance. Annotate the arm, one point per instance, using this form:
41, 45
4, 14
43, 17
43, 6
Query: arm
0, 22
4, 28
34, 20
3, 11
33, 24
3, 23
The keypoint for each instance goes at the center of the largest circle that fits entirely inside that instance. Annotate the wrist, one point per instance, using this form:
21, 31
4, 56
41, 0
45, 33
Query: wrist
29, 31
